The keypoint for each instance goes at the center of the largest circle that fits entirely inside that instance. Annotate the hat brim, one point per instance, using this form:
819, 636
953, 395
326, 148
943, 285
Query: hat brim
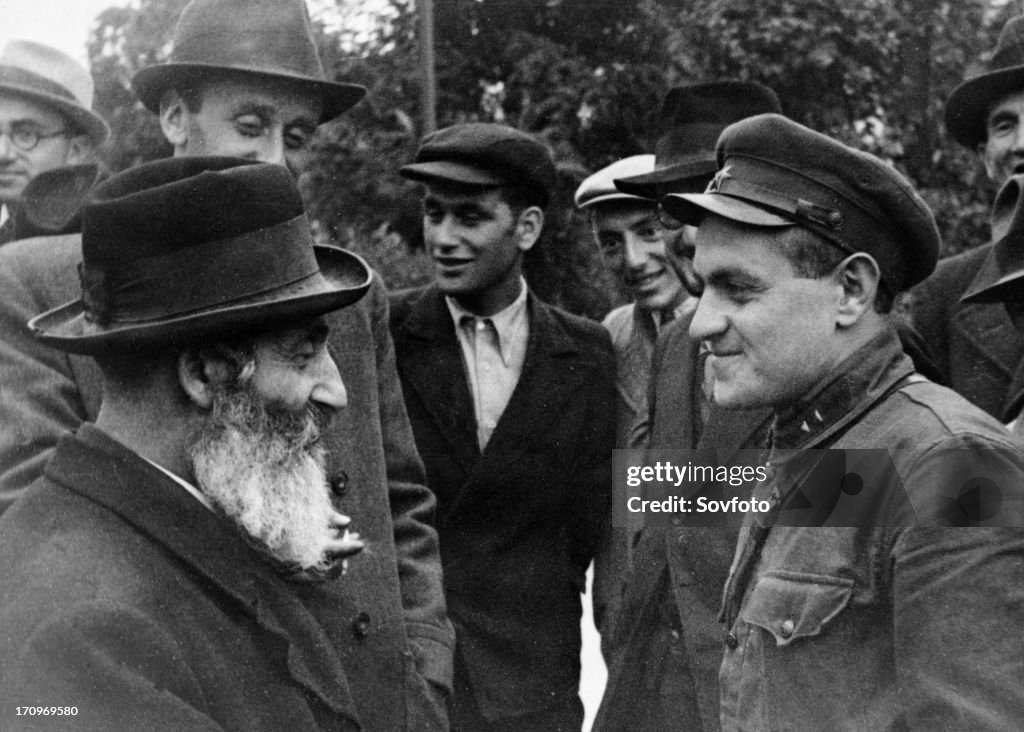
647, 185
90, 123
451, 171
690, 208
344, 278
968, 104
150, 84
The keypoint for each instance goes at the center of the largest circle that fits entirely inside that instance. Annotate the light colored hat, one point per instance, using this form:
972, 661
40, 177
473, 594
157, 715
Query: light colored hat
49, 76
600, 187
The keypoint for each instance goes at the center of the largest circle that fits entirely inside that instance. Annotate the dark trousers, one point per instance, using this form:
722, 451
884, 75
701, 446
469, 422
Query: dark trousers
564, 716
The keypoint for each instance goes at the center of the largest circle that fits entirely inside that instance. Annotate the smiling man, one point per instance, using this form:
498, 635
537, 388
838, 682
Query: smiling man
46, 122
975, 343
902, 619
512, 405
155, 576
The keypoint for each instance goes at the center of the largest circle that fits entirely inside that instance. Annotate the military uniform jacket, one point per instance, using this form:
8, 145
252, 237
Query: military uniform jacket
518, 522
123, 596
390, 613
885, 626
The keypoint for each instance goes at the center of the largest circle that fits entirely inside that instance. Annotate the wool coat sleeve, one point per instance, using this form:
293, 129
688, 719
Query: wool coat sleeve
412, 511
39, 397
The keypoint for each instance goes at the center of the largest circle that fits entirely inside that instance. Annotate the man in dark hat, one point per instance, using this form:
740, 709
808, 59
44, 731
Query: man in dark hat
512, 404
664, 646
975, 343
154, 577
888, 617
46, 123
388, 618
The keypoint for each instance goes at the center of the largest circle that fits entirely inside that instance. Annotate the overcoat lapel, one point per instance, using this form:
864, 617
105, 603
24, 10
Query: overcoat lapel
435, 371
157, 507
988, 329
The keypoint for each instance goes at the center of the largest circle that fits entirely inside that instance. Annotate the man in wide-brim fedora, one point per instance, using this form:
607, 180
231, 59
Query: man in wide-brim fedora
243, 78
46, 122
154, 576
975, 344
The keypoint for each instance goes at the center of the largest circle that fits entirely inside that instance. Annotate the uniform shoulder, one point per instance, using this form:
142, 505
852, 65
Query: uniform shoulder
587, 333
944, 415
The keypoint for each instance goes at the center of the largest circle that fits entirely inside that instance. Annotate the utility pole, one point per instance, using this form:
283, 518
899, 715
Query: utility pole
428, 92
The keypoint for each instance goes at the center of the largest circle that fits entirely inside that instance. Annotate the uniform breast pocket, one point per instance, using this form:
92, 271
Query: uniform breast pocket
793, 605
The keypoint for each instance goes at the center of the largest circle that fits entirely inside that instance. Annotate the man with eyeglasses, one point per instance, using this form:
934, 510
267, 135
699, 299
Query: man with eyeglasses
46, 122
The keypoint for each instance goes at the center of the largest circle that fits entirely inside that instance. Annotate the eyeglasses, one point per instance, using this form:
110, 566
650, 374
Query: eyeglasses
26, 138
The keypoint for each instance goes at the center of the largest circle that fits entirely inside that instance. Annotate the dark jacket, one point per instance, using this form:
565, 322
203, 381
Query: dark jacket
391, 606
666, 647
518, 523
890, 623
975, 346
123, 596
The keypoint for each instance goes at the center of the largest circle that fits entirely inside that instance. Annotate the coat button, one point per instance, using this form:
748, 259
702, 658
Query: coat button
339, 483
361, 625
787, 628
731, 641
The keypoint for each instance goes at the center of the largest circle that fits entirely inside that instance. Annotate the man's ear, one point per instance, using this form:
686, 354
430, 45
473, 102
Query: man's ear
529, 226
202, 372
859, 277
174, 117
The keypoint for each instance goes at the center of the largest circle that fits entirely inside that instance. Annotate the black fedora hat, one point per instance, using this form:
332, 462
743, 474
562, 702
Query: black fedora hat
968, 105
257, 37
1001, 275
692, 118
187, 248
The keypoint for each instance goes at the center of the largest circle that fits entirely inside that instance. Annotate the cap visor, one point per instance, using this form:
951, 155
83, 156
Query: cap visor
690, 208
454, 172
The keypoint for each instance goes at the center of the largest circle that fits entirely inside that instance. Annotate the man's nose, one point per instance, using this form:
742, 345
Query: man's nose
271, 149
7, 149
634, 251
440, 234
330, 389
708, 321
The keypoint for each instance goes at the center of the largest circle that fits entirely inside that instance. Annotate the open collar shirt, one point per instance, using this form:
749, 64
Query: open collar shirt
493, 351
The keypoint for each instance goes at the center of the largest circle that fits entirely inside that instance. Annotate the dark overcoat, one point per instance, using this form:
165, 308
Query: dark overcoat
975, 345
123, 597
391, 608
679, 571
520, 521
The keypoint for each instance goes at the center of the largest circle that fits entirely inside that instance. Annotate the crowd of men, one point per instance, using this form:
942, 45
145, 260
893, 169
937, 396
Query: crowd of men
245, 487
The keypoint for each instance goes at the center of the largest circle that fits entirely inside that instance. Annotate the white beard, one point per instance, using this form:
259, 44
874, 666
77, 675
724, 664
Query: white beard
265, 471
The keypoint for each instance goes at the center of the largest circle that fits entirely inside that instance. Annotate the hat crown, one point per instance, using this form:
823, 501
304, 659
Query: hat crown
600, 186
272, 36
1009, 50
52, 67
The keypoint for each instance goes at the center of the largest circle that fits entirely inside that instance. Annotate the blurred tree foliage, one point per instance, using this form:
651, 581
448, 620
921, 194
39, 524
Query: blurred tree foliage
588, 76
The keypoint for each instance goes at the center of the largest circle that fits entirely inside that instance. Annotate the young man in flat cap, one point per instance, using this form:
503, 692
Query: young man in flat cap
666, 650
154, 577
512, 404
855, 599
46, 123
975, 344
243, 78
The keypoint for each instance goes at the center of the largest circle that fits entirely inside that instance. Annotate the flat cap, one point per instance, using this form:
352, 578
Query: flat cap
1001, 275
600, 187
480, 153
774, 172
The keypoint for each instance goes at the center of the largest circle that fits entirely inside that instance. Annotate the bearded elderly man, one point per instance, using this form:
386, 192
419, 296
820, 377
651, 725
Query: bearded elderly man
155, 577
244, 79
856, 601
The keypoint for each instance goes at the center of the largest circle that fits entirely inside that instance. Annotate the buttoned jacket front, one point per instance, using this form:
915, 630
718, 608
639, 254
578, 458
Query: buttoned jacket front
389, 615
519, 521
885, 625
122, 596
